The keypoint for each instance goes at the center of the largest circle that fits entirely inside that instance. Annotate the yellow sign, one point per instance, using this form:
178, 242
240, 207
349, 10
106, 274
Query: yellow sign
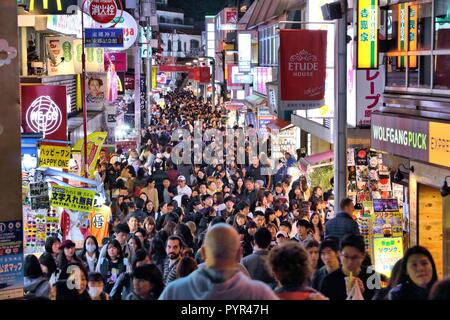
94, 145
54, 156
407, 33
413, 34
386, 252
72, 198
439, 144
154, 71
367, 34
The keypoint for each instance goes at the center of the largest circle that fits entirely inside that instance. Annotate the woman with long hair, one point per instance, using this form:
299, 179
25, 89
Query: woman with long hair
112, 265
67, 254
316, 227
90, 253
418, 274
239, 189
150, 228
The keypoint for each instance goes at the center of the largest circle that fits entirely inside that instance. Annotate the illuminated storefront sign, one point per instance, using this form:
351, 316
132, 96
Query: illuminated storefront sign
367, 34
42, 7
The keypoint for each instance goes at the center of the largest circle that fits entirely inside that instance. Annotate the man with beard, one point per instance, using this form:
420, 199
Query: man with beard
173, 249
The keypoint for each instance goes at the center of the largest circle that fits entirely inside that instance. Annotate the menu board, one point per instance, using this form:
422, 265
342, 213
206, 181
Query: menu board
386, 252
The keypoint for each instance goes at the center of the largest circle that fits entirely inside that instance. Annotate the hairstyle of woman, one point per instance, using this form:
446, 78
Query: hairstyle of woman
97, 252
158, 247
48, 261
139, 255
68, 283
116, 245
152, 274
404, 278
186, 266
49, 243
440, 290
319, 225
151, 221
32, 268
185, 233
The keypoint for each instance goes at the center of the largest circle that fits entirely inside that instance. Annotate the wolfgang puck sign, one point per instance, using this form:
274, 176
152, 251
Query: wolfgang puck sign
302, 68
44, 110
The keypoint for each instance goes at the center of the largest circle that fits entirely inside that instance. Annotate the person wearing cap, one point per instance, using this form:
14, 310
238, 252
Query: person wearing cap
329, 254
67, 254
303, 235
281, 237
183, 188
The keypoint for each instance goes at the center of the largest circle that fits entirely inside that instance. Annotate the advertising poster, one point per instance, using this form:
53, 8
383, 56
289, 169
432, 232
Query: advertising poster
95, 143
60, 56
118, 59
44, 110
11, 260
54, 156
39, 196
96, 91
72, 198
94, 58
302, 68
386, 252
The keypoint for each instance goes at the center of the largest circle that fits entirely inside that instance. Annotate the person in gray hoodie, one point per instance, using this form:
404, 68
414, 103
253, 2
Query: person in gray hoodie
221, 278
35, 284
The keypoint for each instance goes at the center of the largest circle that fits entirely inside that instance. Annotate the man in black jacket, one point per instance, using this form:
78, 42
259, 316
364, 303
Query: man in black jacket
166, 192
250, 193
343, 224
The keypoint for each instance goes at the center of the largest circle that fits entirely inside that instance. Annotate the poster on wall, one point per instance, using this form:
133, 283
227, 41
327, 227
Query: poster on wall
39, 196
95, 143
44, 110
386, 253
94, 58
302, 68
11, 260
60, 56
95, 91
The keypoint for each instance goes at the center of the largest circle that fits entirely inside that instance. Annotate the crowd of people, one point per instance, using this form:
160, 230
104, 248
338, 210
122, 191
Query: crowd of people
219, 231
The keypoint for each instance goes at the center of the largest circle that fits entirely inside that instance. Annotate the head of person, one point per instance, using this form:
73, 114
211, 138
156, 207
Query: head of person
302, 227
312, 247
352, 253
278, 188
77, 276
166, 183
114, 251
281, 237
316, 221
183, 231
263, 238
143, 196
151, 183
133, 222
329, 253
202, 189
440, 290
48, 265
67, 249
240, 182
95, 85
222, 248
418, 267
181, 181
286, 227
32, 268
251, 227
95, 284
147, 281
121, 232
52, 245
270, 215
141, 258
290, 264
150, 226
207, 201
141, 234
149, 206
134, 242
347, 206
186, 266
174, 247
229, 202
317, 192
140, 203
90, 246
249, 184
240, 220
259, 219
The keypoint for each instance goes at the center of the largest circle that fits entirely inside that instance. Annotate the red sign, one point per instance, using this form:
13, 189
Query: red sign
230, 75
103, 11
118, 59
192, 74
174, 68
303, 68
204, 75
44, 110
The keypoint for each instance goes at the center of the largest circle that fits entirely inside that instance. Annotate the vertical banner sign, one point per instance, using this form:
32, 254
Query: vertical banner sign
94, 145
302, 68
402, 32
11, 260
413, 34
154, 75
143, 101
367, 34
245, 52
44, 110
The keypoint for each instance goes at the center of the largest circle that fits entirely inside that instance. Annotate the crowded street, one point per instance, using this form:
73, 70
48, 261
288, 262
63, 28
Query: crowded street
225, 150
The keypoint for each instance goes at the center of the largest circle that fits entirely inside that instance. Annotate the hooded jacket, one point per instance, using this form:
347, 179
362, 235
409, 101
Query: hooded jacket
38, 287
207, 284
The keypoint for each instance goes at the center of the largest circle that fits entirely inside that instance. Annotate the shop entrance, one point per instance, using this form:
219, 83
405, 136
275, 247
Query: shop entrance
430, 223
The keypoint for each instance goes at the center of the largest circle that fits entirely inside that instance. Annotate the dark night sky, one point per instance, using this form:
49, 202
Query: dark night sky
197, 9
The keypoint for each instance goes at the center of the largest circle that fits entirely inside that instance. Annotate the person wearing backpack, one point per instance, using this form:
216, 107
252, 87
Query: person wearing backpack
35, 284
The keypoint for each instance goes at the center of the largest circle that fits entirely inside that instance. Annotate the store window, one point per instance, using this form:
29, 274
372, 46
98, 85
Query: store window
268, 46
442, 24
442, 72
169, 46
395, 75
419, 71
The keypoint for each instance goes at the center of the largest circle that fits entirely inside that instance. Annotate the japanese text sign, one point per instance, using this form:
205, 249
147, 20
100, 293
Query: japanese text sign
72, 198
54, 156
11, 260
369, 92
103, 38
39, 196
386, 252
103, 11
367, 34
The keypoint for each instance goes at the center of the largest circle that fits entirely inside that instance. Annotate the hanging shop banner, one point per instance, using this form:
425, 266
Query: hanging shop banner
244, 51
228, 19
126, 22
11, 260
367, 34
39, 196
412, 34
44, 110
95, 143
103, 38
103, 11
400, 136
72, 198
47, 7
204, 75
407, 33
54, 156
386, 252
94, 58
60, 56
369, 92
118, 59
302, 68
154, 76
96, 88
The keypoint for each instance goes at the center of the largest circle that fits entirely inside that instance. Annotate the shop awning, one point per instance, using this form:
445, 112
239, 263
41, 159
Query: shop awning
278, 124
234, 106
255, 100
319, 157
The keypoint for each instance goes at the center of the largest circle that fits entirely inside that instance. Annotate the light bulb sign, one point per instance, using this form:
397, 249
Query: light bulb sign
103, 11
44, 110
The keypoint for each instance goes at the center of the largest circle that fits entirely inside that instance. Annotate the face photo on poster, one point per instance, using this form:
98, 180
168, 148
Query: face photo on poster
352, 173
361, 157
95, 91
350, 157
384, 181
362, 172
